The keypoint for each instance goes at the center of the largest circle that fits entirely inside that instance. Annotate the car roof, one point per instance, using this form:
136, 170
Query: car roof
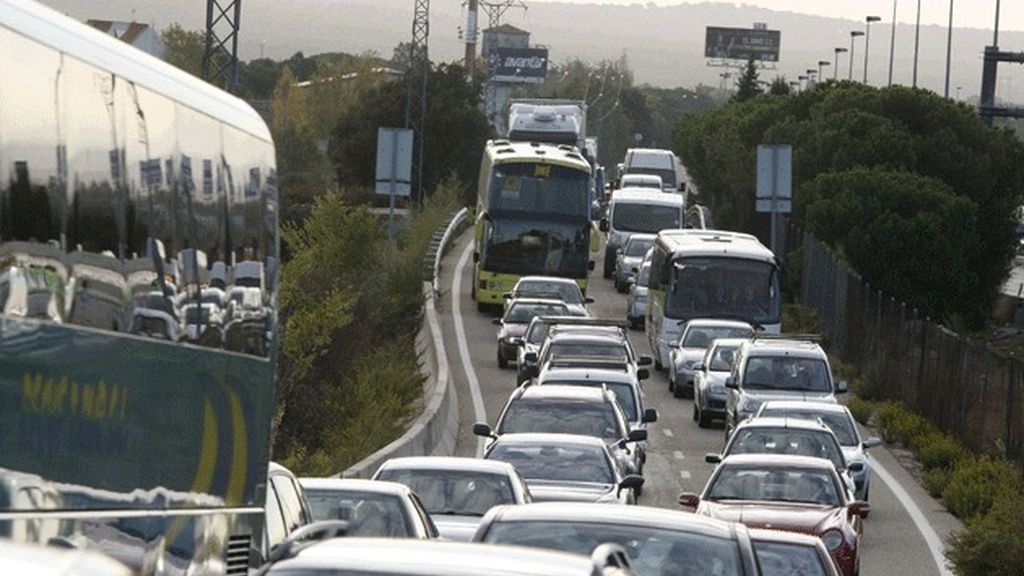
769, 535
649, 237
806, 406
784, 422
777, 461
355, 485
563, 392
537, 301
553, 279
548, 439
785, 347
716, 323
591, 335
645, 516
410, 556
447, 463
636, 195
577, 373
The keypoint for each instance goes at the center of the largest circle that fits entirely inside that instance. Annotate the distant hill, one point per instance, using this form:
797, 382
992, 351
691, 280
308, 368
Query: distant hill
664, 45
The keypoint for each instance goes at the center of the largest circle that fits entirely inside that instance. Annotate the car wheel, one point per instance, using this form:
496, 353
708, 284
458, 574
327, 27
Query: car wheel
677, 390
634, 324
502, 362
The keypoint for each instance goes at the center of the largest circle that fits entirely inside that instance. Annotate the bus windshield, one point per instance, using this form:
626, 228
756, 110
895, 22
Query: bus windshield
723, 287
534, 188
536, 247
646, 218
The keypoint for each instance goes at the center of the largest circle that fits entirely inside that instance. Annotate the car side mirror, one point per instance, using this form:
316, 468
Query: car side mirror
603, 225
643, 374
631, 482
689, 500
496, 321
859, 508
588, 300
483, 430
591, 265
842, 387
637, 436
871, 442
650, 415
713, 458
699, 367
855, 467
645, 361
730, 382
507, 295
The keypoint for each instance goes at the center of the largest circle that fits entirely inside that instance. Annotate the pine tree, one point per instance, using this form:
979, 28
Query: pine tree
748, 85
780, 87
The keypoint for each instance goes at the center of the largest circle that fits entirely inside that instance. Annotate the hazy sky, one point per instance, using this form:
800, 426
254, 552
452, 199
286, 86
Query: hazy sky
967, 13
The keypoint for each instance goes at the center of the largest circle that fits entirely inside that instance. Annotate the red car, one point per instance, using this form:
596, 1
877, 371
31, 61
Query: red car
790, 493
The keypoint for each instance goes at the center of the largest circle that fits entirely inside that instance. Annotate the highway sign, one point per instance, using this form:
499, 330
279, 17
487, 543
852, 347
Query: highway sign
518, 65
774, 177
742, 44
394, 162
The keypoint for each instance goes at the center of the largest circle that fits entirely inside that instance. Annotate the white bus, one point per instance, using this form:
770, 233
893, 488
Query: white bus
709, 274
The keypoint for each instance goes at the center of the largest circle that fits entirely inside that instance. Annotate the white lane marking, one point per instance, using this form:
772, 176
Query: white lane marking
678, 455
467, 361
927, 532
667, 432
685, 474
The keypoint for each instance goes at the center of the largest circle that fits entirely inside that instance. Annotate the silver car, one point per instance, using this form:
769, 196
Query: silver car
563, 289
371, 507
513, 324
636, 300
630, 257
693, 342
709, 391
838, 418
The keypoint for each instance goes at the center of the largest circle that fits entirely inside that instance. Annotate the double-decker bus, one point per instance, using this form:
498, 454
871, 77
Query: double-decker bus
126, 187
532, 217
709, 274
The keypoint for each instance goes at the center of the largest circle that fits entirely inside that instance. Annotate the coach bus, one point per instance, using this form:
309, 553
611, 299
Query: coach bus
709, 274
532, 217
123, 183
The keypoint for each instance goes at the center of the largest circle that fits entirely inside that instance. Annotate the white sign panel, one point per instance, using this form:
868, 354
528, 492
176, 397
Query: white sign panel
774, 178
394, 161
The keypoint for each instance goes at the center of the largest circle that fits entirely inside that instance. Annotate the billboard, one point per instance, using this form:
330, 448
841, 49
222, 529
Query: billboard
742, 44
518, 65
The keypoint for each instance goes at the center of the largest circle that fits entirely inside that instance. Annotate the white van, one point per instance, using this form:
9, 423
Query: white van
656, 162
638, 211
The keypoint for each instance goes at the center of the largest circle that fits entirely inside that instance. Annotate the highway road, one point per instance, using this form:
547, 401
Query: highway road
903, 536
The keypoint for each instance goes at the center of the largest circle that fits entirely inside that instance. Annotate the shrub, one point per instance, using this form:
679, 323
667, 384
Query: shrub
900, 425
976, 483
991, 544
936, 480
940, 451
860, 408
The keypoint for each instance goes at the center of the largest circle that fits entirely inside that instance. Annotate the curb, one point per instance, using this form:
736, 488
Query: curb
434, 431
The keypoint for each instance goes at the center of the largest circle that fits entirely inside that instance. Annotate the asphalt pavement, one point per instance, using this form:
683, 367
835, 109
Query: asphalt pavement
903, 536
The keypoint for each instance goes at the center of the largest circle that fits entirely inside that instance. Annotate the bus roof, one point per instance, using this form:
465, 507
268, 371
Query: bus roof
714, 243
53, 29
506, 152
646, 196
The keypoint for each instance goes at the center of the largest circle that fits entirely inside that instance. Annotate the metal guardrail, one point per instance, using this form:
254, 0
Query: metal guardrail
432, 259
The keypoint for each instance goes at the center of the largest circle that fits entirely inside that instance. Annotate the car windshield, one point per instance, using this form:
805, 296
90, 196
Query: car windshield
623, 393
654, 551
795, 441
701, 336
524, 312
637, 247
609, 351
368, 514
774, 484
454, 492
568, 291
723, 287
787, 373
562, 417
645, 218
840, 423
786, 559
557, 463
722, 358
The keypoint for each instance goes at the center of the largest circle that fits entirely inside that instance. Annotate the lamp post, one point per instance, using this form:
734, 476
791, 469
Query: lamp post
822, 64
853, 36
867, 43
835, 70
917, 40
949, 47
892, 43
801, 79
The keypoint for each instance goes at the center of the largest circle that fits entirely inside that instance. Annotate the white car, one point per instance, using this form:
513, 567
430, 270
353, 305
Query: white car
627, 262
709, 391
636, 299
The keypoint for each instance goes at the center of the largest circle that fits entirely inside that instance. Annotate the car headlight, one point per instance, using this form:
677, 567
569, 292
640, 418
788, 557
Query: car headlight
749, 405
833, 539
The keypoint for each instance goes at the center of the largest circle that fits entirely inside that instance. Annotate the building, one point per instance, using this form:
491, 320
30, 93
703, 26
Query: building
141, 36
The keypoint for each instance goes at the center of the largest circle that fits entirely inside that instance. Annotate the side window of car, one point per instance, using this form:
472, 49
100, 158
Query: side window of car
275, 528
291, 506
424, 517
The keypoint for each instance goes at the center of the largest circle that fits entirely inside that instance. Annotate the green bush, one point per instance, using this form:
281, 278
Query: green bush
860, 408
900, 425
976, 483
991, 544
936, 480
940, 451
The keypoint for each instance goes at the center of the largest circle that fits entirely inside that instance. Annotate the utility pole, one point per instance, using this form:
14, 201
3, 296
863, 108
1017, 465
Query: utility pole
892, 42
835, 69
471, 33
853, 36
917, 40
220, 54
416, 89
949, 48
867, 44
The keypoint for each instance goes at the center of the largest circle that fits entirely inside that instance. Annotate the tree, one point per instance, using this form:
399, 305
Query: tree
303, 170
184, 48
780, 87
748, 85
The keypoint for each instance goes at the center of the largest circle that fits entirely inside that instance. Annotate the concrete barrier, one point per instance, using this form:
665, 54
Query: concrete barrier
434, 431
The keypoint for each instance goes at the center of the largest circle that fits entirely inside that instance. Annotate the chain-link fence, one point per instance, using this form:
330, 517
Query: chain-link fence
963, 386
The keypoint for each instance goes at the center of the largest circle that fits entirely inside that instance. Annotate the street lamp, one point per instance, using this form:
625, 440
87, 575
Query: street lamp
801, 79
949, 47
917, 40
822, 64
853, 36
892, 43
867, 43
835, 70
